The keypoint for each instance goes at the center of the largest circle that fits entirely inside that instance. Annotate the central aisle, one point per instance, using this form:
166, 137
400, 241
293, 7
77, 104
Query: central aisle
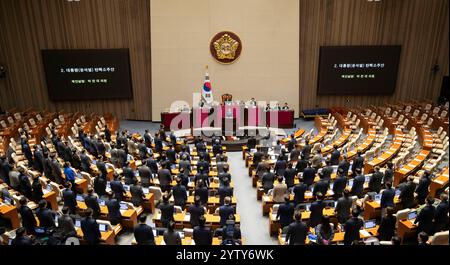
254, 227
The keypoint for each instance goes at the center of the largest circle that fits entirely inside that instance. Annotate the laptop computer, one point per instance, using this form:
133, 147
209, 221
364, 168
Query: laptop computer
108, 185
39, 230
49, 187
307, 206
7, 200
123, 206
412, 216
101, 202
369, 224
145, 190
367, 178
10, 242
397, 192
77, 223
350, 183
126, 187
378, 197
102, 227
80, 198
79, 176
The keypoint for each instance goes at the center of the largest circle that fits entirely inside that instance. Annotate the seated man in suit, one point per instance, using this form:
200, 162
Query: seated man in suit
225, 211
352, 227
279, 190
114, 214
297, 231
202, 235
143, 233
45, 215
90, 228
285, 212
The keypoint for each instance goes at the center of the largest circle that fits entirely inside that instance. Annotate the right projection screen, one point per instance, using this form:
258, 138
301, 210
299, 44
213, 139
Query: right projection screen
356, 70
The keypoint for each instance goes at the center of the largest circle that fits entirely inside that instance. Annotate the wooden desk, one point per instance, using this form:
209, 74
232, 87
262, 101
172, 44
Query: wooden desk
182, 220
411, 167
107, 238
187, 241
406, 228
10, 212
51, 198
212, 204
129, 217
439, 182
372, 210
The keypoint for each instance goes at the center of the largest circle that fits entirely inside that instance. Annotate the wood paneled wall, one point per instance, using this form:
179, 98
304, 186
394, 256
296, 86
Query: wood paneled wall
27, 26
421, 27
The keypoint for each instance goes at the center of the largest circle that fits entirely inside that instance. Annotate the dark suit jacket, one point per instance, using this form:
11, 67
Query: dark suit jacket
321, 186
28, 218
167, 210
422, 188
223, 192
301, 165
91, 201
91, 232
299, 193
128, 173
267, 180
335, 155
179, 195
118, 189
137, 195
202, 236
285, 213
195, 212
375, 182
114, 214
289, 176
407, 194
203, 193
225, 211
425, 219
387, 228
164, 176
358, 162
339, 185
280, 167
46, 217
144, 234
345, 165
387, 198
316, 213
296, 234
358, 186
69, 198
352, 227
441, 217
308, 175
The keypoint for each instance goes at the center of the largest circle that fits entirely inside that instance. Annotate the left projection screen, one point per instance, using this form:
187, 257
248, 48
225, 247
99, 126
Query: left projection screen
85, 74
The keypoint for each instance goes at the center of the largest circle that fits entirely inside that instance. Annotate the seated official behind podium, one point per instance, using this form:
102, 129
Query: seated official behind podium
297, 231
286, 106
143, 233
90, 228
202, 235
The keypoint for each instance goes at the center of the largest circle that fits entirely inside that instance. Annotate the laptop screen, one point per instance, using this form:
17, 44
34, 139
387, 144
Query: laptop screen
39, 230
367, 178
80, 198
378, 197
102, 227
77, 223
397, 192
126, 187
10, 241
369, 224
307, 206
145, 190
412, 215
123, 206
7, 200
101, 202
350, 183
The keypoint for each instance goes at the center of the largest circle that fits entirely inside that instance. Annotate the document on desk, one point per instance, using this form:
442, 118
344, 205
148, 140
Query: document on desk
187, 217
365, 233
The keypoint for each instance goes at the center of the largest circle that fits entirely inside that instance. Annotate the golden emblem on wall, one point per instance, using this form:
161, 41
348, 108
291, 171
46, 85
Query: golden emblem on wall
226, 47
